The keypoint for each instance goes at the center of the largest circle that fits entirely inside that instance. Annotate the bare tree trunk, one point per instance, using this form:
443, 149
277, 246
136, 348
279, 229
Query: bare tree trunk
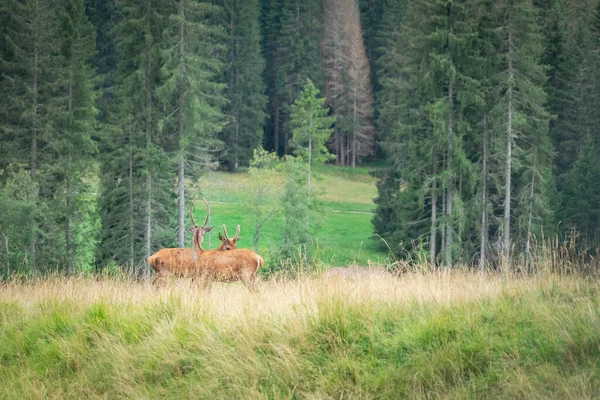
342, 150
69, 234
6, 254
356, 125
276, 129
182, 100
432, 241
443, 224
509, 139
309, 170
484, 212
451, 181
131, 219
34, 124
148, 150
528, 242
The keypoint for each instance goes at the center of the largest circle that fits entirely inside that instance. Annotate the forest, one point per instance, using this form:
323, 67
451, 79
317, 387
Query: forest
478, 120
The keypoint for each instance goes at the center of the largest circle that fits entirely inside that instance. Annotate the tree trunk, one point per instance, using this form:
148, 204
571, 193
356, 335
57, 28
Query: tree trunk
69, 233
148, 151
6, 254
484, 212
432, 241
309, 169
182, 100
451, 181
276, 129
342, 150
528, 242
131, 219
34, 124
509, 138
443, 224
355, 125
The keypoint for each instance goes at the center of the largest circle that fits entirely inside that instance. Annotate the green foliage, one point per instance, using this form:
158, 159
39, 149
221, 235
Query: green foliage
263, 191
537, 339
18, 199
297, 31
245, 86
294, 205
311, 126
581, 194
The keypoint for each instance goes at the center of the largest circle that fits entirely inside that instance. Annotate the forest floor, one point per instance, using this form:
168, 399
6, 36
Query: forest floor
345, 232
446, 335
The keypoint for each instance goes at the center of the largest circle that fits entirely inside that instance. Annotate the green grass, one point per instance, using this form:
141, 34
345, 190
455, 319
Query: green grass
420, 336
344, 235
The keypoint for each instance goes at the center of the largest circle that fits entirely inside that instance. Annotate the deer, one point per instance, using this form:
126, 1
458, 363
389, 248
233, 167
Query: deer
226, 242
210, 265
179, 257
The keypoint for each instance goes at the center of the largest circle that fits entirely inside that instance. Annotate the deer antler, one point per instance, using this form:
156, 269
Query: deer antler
237, 234
191, 212
207, 212
225, 232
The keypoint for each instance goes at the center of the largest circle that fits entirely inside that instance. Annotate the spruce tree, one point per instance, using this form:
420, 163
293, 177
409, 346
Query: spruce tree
191, 95
30, 64
245, 86
581, 194
73, 124
299, 57
136, 192
519, 112
311, 126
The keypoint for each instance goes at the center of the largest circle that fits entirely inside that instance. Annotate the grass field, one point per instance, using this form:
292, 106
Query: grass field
345, 234
441, 336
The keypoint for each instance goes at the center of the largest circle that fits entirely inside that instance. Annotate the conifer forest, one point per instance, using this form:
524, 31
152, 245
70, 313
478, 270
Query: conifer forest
479, 121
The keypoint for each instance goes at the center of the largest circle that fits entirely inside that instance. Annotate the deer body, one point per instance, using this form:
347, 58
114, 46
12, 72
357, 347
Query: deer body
220, 265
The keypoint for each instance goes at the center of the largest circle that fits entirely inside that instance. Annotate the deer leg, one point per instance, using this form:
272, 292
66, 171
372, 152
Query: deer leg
160, 278
249, 281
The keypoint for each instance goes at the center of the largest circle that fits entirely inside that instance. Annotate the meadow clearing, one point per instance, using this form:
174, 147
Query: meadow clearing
345, 233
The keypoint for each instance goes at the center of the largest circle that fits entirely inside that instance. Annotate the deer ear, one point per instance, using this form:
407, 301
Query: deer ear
220, 237
208, 229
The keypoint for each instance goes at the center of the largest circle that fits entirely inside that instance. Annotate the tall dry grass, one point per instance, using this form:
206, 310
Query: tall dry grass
419, 335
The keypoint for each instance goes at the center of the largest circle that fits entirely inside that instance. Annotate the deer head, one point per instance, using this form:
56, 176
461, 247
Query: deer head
199, 232
227, 242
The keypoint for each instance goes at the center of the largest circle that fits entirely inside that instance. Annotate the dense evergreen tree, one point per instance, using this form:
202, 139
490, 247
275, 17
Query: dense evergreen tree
245, 86
72, 148
519, 111
298, 49
136, 198
581, 195
191, 96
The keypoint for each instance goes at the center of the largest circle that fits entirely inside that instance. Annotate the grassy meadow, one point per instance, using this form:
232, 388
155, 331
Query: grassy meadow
447, 335
345, 233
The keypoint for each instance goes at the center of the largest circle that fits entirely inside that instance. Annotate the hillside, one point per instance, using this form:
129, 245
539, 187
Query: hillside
345, 234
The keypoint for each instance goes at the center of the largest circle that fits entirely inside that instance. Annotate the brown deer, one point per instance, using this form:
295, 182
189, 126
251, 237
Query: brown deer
181, 258
223, 266
226, 242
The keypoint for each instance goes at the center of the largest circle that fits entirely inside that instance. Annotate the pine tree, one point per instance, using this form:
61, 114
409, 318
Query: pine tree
30, 64
245, 87
136, 197
311, 129
519, 112
299, 57
191, 94
74, 124
581, 194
